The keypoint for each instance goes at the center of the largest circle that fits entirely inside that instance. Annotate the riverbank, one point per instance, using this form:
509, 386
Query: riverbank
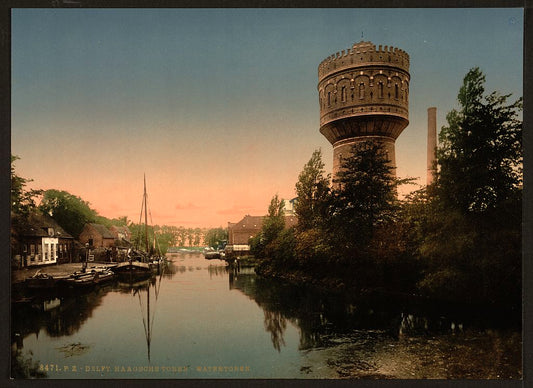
19, 275
341, 287
298, 277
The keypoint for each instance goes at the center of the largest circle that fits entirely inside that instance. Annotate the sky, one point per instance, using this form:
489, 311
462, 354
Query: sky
219, 107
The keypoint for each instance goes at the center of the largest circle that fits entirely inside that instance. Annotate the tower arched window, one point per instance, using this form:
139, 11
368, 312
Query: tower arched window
343, 94
329, 98
361, 90
396, 92
380, 90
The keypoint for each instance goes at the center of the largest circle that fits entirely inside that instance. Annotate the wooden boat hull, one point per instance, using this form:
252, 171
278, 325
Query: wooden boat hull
212, 255
43, 281
40, 283
134, 270
88, 279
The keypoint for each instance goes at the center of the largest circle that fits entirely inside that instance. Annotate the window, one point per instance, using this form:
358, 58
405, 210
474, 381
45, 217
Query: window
343, 94
380, 90
361, 90
396, 92
329, 98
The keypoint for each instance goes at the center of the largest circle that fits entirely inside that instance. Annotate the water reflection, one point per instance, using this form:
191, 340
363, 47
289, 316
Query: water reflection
59, 315
146, 292
373, 337
326, 320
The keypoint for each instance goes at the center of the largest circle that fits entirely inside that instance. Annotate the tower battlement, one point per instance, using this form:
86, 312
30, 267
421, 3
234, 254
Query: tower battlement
363, 94
364, 54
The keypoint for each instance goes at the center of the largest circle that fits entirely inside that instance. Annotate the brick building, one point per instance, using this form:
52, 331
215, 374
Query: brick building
240, 233
97, 236
364, 96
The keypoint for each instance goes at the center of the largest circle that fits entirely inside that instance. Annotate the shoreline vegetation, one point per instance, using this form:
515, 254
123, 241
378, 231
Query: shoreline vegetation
455, 240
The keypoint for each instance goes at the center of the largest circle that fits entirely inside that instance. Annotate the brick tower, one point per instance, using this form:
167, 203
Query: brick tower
363, 95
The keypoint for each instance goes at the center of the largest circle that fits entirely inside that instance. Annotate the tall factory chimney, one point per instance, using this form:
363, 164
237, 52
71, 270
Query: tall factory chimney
432, 143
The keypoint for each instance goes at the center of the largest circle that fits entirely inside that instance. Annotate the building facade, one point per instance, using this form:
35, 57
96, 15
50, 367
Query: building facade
240, 233
97, 236
36, 239
363, 95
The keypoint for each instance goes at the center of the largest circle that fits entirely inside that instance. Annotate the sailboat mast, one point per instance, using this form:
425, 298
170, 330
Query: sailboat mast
145, 215
149, 336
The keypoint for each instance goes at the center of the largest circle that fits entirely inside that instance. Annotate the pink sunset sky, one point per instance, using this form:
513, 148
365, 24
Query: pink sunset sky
219, 108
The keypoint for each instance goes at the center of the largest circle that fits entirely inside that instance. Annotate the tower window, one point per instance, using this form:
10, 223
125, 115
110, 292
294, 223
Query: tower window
329, 98
361, 90
343, 94
396, 92
380, 90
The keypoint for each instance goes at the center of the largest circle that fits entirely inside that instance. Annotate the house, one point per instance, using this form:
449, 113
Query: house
97, 236
37, 239
240, 233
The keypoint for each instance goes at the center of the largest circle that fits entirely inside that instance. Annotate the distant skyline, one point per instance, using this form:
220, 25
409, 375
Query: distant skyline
219, 107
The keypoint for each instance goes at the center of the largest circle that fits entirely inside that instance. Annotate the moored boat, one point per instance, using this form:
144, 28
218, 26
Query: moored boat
211, 254
132, 266
43, 281
88, 279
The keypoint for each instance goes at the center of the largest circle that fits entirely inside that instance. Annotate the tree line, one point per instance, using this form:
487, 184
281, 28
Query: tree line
72, 213
457, 239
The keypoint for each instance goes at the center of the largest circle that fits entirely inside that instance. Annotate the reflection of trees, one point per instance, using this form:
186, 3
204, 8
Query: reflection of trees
275, 324
217, 270
66, 319
321, 317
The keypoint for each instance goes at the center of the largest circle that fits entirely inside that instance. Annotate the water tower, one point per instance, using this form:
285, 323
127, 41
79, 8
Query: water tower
363, 95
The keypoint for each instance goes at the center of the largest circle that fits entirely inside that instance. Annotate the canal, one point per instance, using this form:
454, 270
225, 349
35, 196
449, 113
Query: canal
200, 319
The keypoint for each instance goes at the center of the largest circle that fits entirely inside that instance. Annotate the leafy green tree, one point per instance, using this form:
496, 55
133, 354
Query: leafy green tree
215, 236
70, 211
480, 153
312, 243
365, 196
263, 244
313, 193
275, 219
22, 200
472, 232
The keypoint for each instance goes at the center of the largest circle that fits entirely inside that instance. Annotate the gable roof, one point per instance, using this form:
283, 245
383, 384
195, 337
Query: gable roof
250, 222
256, 222
102, 230
36, 224
123, 229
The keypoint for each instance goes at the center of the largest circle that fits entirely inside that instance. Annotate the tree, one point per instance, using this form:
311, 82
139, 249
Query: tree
274, 221
215, 236
263, 244
70, 211
22, 200
472, 236
313, 193
313, 205
480, 153
365, 196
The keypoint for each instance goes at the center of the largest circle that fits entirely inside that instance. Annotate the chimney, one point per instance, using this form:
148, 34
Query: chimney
432, 143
